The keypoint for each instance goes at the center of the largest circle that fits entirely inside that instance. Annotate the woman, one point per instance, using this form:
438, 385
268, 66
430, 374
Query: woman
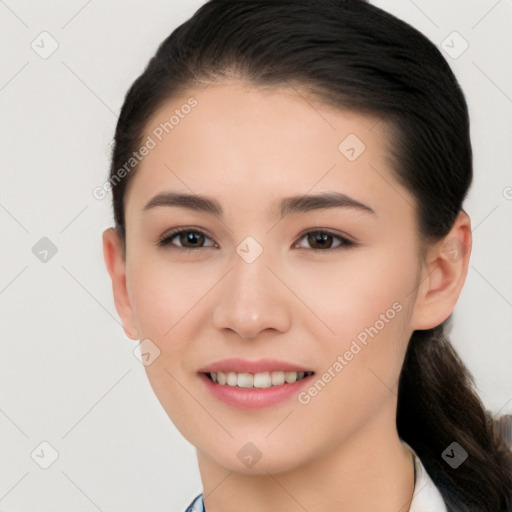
288, 180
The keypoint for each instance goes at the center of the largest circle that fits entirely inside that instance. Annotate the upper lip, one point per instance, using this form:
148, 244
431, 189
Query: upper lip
239, 365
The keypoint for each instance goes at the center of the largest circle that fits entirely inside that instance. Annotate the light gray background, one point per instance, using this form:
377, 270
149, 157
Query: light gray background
68, 375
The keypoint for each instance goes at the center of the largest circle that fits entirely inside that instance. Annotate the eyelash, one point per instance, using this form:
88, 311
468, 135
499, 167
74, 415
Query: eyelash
166, 240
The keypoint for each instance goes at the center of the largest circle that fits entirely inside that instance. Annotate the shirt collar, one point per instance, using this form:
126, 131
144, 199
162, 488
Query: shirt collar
197, 505
426, 496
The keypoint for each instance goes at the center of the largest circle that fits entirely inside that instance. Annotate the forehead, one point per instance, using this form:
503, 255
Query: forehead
247, 144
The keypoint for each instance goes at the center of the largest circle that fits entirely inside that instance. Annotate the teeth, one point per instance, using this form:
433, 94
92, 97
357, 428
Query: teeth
290, 377
245, 380
232, 379
262, 380
257, 380
277, 378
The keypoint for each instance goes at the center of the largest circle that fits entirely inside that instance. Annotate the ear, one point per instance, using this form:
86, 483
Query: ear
116, 266
444, 271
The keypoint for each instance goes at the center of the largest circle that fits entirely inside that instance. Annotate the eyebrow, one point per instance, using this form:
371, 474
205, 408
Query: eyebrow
287, 206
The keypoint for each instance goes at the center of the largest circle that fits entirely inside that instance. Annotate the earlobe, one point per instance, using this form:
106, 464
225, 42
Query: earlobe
443, 275
116, 266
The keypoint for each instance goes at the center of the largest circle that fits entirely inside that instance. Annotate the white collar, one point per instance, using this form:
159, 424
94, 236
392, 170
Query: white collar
426, 496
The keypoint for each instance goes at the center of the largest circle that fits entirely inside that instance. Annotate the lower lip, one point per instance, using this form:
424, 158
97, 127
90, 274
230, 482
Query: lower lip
253, 398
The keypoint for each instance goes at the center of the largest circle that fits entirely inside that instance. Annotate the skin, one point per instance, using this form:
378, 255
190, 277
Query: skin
248, 147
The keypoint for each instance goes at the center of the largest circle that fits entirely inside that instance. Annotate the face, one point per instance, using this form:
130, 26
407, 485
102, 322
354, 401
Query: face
262, 284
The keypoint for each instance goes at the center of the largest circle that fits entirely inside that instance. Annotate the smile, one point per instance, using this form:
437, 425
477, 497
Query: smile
257, 380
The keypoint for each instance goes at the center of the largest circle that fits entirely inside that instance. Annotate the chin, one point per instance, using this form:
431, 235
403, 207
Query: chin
249, 460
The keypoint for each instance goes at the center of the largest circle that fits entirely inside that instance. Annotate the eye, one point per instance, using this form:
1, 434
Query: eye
322, 240
185, 236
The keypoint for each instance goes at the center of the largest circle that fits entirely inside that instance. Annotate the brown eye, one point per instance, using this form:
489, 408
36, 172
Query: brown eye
321, 240
189, 239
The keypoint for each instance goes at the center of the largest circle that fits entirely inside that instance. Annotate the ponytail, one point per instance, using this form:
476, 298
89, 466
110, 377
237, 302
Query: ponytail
437, 406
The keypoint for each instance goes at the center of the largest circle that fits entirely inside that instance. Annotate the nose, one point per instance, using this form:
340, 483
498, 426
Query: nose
253, 299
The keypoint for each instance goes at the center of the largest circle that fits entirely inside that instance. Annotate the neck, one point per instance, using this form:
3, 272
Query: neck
371, 470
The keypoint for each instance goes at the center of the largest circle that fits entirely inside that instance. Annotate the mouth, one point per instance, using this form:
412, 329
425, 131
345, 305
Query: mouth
254, 384
260, 380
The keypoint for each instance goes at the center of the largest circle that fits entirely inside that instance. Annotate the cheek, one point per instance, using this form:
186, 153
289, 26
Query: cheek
165, 297
350, 294
366, 302
169, 304
360, 367
172, 391
166, 305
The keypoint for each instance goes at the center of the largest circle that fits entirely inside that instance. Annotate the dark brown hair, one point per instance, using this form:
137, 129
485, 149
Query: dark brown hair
355, 56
